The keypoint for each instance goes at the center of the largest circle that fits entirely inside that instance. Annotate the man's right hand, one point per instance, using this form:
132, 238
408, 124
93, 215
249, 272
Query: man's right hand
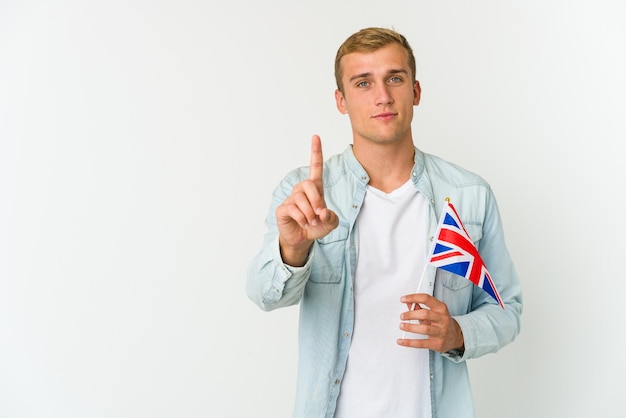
303, 217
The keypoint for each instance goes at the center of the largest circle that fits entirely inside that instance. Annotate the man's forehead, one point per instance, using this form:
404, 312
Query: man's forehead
389, 59
370, 63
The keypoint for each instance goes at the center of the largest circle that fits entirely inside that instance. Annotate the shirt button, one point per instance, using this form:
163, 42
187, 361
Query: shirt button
432, 376
345, 334
336, 381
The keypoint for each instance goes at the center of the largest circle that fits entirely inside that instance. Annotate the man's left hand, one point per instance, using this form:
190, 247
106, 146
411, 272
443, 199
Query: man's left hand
442, 331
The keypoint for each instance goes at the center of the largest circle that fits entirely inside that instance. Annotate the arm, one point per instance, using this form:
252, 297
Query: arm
298, 216
487, 327
470, 323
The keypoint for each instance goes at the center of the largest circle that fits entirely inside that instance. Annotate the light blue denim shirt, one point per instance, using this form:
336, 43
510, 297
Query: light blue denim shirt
324, 285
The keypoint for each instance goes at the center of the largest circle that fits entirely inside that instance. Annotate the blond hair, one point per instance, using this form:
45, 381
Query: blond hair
370, 40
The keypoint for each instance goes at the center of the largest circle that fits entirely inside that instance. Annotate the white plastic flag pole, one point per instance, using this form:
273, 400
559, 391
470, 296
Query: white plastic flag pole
419, 286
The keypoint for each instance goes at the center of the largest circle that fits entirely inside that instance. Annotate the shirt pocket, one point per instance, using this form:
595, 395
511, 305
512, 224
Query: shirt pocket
474, 230
330, 257
455, 291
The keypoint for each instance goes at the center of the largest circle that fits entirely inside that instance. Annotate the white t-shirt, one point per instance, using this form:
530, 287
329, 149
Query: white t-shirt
383, 379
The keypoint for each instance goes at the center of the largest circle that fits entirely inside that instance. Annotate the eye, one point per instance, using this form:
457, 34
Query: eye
395, 79
362, 84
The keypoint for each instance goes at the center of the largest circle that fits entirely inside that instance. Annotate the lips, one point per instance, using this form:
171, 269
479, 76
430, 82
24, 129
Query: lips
385, 116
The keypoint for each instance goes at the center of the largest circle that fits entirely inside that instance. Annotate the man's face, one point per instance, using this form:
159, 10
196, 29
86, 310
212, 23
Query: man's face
378, 95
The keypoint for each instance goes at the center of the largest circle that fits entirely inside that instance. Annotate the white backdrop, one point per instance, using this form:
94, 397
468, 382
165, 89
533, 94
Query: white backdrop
140, 142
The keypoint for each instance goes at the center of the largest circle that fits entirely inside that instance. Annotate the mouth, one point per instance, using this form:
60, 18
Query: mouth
385, 116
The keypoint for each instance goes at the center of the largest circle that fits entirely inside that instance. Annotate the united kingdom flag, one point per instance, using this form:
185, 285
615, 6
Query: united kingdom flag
454, 251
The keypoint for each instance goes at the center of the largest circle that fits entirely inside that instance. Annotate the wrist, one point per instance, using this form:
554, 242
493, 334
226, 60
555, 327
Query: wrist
294, 256
459, 345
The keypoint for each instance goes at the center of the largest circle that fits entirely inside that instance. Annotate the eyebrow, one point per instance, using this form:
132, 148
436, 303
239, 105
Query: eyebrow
366, 75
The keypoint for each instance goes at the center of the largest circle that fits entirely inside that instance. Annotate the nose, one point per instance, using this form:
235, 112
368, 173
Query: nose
383, 95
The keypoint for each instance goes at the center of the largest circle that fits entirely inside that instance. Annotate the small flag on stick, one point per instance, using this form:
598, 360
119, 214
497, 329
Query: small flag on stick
454, 251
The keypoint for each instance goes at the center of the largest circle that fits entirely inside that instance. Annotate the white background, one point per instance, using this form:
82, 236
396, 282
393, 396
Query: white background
140, 142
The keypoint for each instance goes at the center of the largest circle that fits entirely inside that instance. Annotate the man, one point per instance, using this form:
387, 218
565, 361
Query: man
348, 239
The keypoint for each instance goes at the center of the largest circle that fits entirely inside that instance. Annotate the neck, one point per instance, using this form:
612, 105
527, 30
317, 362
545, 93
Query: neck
388, 166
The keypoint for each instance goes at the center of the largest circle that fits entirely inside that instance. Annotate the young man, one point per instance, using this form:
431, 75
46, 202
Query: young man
348, 239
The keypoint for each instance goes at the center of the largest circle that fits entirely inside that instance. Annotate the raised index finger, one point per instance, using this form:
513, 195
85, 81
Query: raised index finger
317, 160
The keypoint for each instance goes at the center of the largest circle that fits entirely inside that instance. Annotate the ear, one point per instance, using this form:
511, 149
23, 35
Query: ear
341, 102
417, 93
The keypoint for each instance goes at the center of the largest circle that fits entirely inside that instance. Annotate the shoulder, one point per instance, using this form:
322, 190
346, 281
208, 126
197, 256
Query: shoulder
443, 179
452, 174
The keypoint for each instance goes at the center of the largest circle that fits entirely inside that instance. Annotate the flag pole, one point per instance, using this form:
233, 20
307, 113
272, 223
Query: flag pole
419, 285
